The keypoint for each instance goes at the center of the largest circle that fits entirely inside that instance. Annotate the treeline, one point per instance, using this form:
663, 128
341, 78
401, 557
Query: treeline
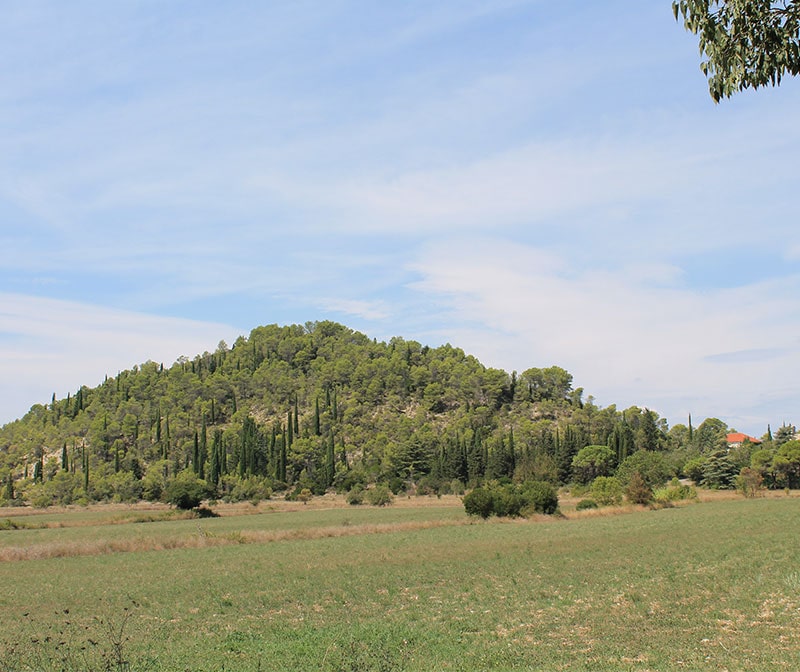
307, 409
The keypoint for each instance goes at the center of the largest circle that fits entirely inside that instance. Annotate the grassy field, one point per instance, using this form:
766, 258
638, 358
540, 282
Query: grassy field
711, 586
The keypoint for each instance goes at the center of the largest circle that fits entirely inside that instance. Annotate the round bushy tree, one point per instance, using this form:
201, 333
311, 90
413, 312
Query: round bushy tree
185, 491
479, 502
540, 497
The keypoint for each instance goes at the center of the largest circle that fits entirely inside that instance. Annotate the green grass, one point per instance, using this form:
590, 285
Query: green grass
711, 586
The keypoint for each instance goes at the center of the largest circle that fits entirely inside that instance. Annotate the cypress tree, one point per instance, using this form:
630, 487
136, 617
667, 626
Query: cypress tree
316, 417
203, 452
9, 487
37, 471
296, 419
196, 454
330, 462
290, 433
64, 459
85, 471
215, 467
282, 461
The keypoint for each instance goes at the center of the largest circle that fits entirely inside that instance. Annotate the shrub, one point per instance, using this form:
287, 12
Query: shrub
380, 495
479, 502
607, 491
512, 500
675, 493
356, 495
749, 482
638, 490
185, 491
540, 497
694, 469
456, 487
652, 467
248, 489
586, 504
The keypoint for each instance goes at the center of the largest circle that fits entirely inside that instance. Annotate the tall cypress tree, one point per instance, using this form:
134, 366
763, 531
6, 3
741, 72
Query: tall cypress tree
196, 454
203, 452
330, 461
316, 417
215, 466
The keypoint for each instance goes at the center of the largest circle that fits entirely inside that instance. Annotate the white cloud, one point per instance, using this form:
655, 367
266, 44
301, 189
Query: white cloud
47, 346
368, 310
624, 338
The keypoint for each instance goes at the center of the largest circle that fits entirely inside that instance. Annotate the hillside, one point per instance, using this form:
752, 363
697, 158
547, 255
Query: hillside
316, 407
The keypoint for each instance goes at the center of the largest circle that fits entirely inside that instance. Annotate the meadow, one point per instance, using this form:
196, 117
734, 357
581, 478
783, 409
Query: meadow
414, 586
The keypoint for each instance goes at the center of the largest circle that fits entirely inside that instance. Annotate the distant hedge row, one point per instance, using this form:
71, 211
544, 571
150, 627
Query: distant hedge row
512, 500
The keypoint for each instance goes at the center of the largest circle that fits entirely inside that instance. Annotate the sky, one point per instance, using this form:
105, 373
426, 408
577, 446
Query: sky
537, 183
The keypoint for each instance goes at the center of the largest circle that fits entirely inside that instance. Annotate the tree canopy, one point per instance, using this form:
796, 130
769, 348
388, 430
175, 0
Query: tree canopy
745, 43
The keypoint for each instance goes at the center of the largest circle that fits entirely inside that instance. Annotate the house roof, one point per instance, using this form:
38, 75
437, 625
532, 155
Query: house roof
739, 437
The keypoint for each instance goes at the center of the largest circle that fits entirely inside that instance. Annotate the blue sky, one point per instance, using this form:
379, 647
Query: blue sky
538, 183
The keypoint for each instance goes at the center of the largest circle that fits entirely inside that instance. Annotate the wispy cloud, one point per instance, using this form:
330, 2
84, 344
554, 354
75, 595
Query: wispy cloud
49, 346
625, 339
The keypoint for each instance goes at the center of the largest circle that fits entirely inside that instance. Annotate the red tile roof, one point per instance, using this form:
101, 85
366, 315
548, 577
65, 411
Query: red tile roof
739, 437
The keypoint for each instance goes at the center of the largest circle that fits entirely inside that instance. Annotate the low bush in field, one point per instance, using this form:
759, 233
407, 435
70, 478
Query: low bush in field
380, 495
586, 504
356, 495
675, 492
606, 491
511, 500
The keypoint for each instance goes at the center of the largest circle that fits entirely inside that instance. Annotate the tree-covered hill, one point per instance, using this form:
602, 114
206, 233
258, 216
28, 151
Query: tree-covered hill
317, 407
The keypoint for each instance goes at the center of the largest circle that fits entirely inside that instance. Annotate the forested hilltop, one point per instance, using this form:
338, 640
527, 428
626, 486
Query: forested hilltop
301, 410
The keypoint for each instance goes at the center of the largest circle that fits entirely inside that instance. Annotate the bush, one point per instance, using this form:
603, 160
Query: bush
652, 467
607, 491
512, 500
540, 497
356, 495
479, 502
749, 482
638, 490
586, 504
185, 491
380, 495
247, 489
675, 493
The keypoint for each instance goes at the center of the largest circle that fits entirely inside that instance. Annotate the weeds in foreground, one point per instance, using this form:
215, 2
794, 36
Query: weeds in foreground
68, 645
